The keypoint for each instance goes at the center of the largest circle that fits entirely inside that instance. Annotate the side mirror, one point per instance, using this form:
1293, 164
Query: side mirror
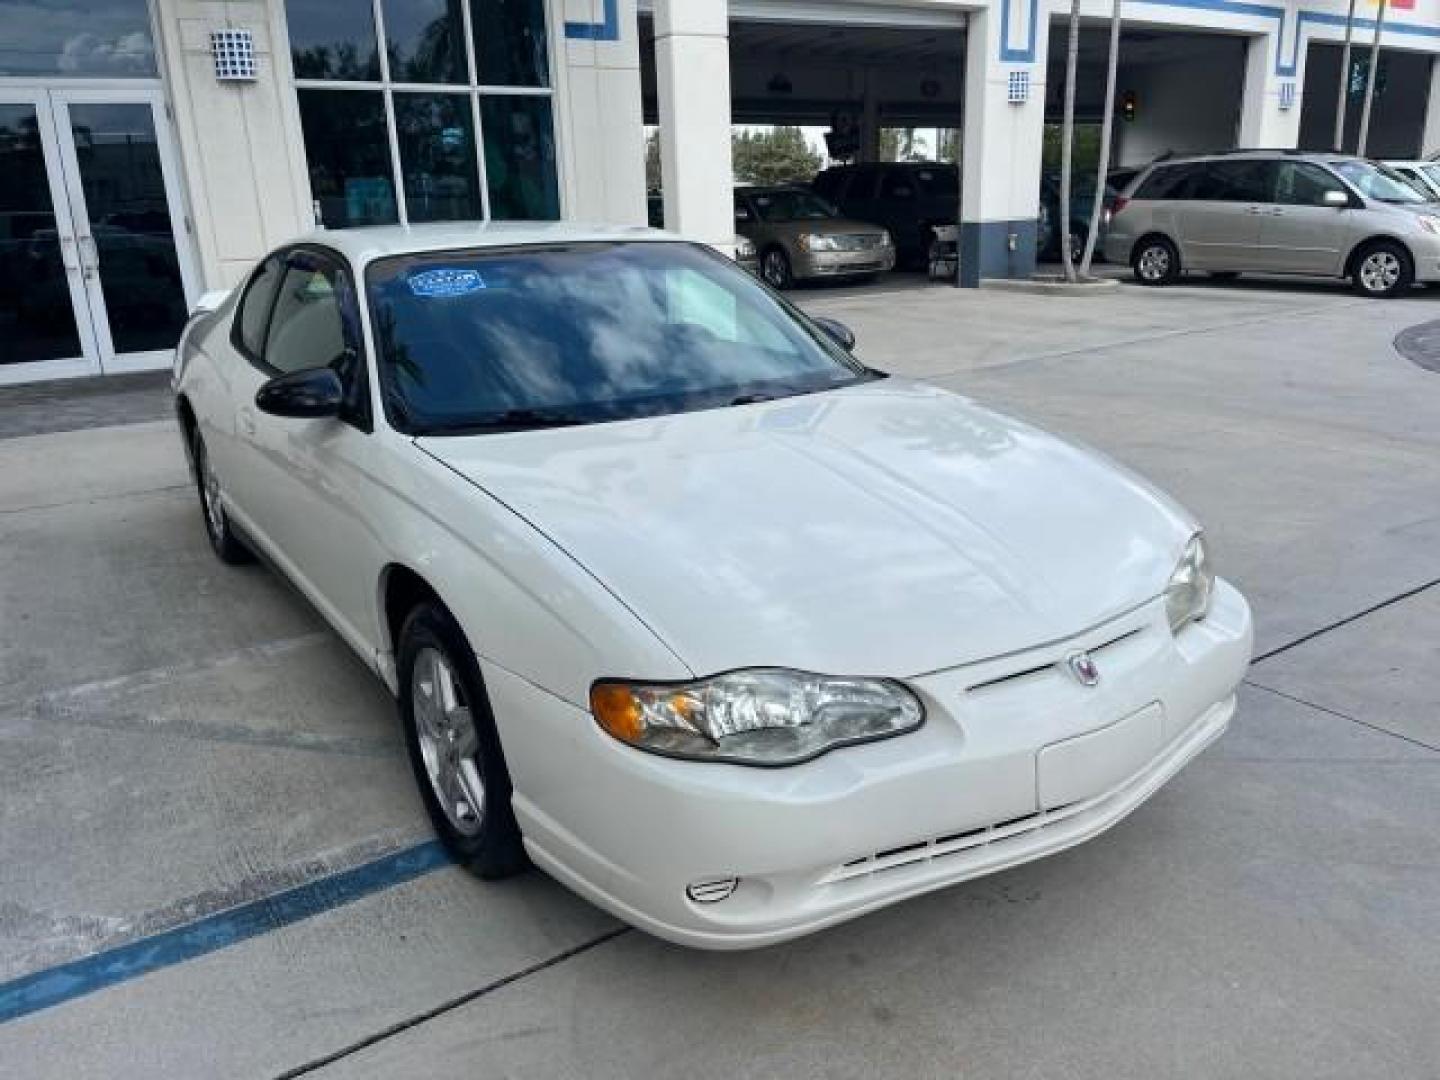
1338, 199
307, 394
836, 330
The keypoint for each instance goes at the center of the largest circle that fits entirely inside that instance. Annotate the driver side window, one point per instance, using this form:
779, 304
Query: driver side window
307, 330
1302, 184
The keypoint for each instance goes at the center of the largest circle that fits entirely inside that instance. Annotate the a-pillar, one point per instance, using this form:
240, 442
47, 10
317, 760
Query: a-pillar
1270, 102
692, 68
1002, 141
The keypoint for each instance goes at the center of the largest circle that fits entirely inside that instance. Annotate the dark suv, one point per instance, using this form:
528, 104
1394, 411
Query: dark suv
909, 198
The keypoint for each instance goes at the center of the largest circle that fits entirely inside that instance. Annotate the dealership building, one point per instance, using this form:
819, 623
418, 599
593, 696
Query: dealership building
150, 152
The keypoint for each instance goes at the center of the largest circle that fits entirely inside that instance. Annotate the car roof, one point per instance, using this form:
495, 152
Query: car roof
1257, 154
363, 245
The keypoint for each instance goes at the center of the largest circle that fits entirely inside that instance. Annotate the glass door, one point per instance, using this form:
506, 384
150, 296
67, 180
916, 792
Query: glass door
120, 180
45, 329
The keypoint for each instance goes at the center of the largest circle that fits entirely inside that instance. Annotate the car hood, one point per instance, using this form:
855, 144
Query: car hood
889, 528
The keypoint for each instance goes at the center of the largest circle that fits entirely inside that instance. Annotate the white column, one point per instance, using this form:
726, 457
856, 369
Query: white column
599, 127
1430, 140
240, 143
1270, 103
692, 68
1002, 145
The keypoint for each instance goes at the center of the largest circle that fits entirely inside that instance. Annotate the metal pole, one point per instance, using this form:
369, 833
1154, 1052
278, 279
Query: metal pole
1343, 97
1107, 132
1370, 83
1067, 141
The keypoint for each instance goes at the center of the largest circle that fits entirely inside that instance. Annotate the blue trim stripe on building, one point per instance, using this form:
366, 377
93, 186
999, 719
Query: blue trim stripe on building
57, 985
1283, 67
606, 30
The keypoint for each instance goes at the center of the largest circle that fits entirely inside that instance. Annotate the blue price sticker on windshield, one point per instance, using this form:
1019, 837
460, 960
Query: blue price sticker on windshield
445, 281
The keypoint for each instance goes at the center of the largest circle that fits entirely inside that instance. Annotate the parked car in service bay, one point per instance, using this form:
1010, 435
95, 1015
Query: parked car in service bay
683, 603
908, 198
1277, 212
800, 237
745, 254
1423, 175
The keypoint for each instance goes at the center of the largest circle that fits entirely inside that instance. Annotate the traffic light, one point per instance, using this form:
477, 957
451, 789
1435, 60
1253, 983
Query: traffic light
1127, 105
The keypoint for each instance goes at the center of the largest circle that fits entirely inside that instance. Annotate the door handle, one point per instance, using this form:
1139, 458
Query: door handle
89, 268
246, 421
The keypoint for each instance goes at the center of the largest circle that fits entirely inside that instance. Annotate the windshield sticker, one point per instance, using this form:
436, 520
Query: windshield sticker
445, 281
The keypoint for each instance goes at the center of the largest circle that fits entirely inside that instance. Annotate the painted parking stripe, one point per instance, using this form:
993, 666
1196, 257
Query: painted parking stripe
57, 985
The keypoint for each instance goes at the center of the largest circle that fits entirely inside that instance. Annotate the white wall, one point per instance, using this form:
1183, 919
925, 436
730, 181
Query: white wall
240, 143
1183, 106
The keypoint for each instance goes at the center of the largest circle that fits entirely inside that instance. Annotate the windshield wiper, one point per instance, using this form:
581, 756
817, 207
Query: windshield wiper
752, 399
509, 420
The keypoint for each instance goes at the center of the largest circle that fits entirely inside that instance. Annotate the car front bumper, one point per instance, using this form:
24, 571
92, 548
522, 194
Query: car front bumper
816, 264
1016, 760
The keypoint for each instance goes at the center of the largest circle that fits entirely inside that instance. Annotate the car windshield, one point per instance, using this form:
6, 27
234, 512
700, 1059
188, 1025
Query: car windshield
1378, 181
1432, 173
476, 341
778, 206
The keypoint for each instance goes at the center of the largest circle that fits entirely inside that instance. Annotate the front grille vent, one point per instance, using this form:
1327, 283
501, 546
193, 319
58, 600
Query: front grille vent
949, 844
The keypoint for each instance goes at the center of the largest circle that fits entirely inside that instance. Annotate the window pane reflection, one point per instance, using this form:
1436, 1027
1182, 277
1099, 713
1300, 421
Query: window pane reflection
437, 156
107, 38
333, 39
510, 47
520, 158
348, 149
37, 321
130, 222
425, 41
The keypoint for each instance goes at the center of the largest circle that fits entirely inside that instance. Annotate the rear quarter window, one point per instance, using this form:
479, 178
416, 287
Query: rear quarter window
1163, 182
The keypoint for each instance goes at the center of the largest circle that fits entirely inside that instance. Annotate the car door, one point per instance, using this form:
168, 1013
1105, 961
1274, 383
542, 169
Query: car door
1300, 234
857, 198
1219, 217
304, 484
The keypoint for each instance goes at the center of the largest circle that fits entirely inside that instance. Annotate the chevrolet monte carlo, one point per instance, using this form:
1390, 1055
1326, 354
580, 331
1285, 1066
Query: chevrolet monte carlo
730, 633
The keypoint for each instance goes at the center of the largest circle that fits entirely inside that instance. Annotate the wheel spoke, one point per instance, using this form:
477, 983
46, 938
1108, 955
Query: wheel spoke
449, 743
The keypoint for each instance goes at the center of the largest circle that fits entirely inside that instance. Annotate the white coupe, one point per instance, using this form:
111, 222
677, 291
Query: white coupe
730, 633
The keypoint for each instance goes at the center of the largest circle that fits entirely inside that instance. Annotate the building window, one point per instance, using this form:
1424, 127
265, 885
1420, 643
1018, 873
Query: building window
95, 38
425, 110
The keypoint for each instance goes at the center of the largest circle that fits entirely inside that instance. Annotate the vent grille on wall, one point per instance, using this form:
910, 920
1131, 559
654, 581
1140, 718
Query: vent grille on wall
234, 53
1018, 88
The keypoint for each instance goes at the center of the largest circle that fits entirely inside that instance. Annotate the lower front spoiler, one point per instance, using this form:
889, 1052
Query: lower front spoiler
925, 868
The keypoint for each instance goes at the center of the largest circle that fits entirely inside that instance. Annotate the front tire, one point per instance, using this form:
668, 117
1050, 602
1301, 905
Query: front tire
1155, 261
228, 546
775, 269
454, 745
1382, 269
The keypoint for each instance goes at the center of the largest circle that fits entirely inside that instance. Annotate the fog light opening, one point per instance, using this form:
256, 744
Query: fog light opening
712, 890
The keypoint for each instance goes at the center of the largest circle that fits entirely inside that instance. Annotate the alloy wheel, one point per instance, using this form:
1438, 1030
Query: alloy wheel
448, 741
1380, 271
1154, 263
210, 496
777, 274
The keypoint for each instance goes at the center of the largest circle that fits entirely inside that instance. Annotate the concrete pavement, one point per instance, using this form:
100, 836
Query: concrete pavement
178, 738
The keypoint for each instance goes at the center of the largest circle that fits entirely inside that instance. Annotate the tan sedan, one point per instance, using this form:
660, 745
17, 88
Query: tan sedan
800, 236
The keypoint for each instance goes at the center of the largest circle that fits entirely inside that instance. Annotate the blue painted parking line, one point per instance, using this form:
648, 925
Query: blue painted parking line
57, 985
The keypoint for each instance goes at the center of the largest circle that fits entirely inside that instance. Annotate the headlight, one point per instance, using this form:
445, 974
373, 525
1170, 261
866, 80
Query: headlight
1187, 597
817, 242
1429, 223
758, 716
744, 248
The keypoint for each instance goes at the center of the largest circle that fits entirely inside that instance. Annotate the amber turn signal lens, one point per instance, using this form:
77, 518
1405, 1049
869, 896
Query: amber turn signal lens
617, 710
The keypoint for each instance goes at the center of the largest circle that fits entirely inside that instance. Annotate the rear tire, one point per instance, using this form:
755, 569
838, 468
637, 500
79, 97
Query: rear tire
1155, 261
228, 546
454, 745
1382, 269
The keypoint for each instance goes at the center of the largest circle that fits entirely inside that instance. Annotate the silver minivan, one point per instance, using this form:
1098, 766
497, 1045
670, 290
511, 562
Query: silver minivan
1276, 212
